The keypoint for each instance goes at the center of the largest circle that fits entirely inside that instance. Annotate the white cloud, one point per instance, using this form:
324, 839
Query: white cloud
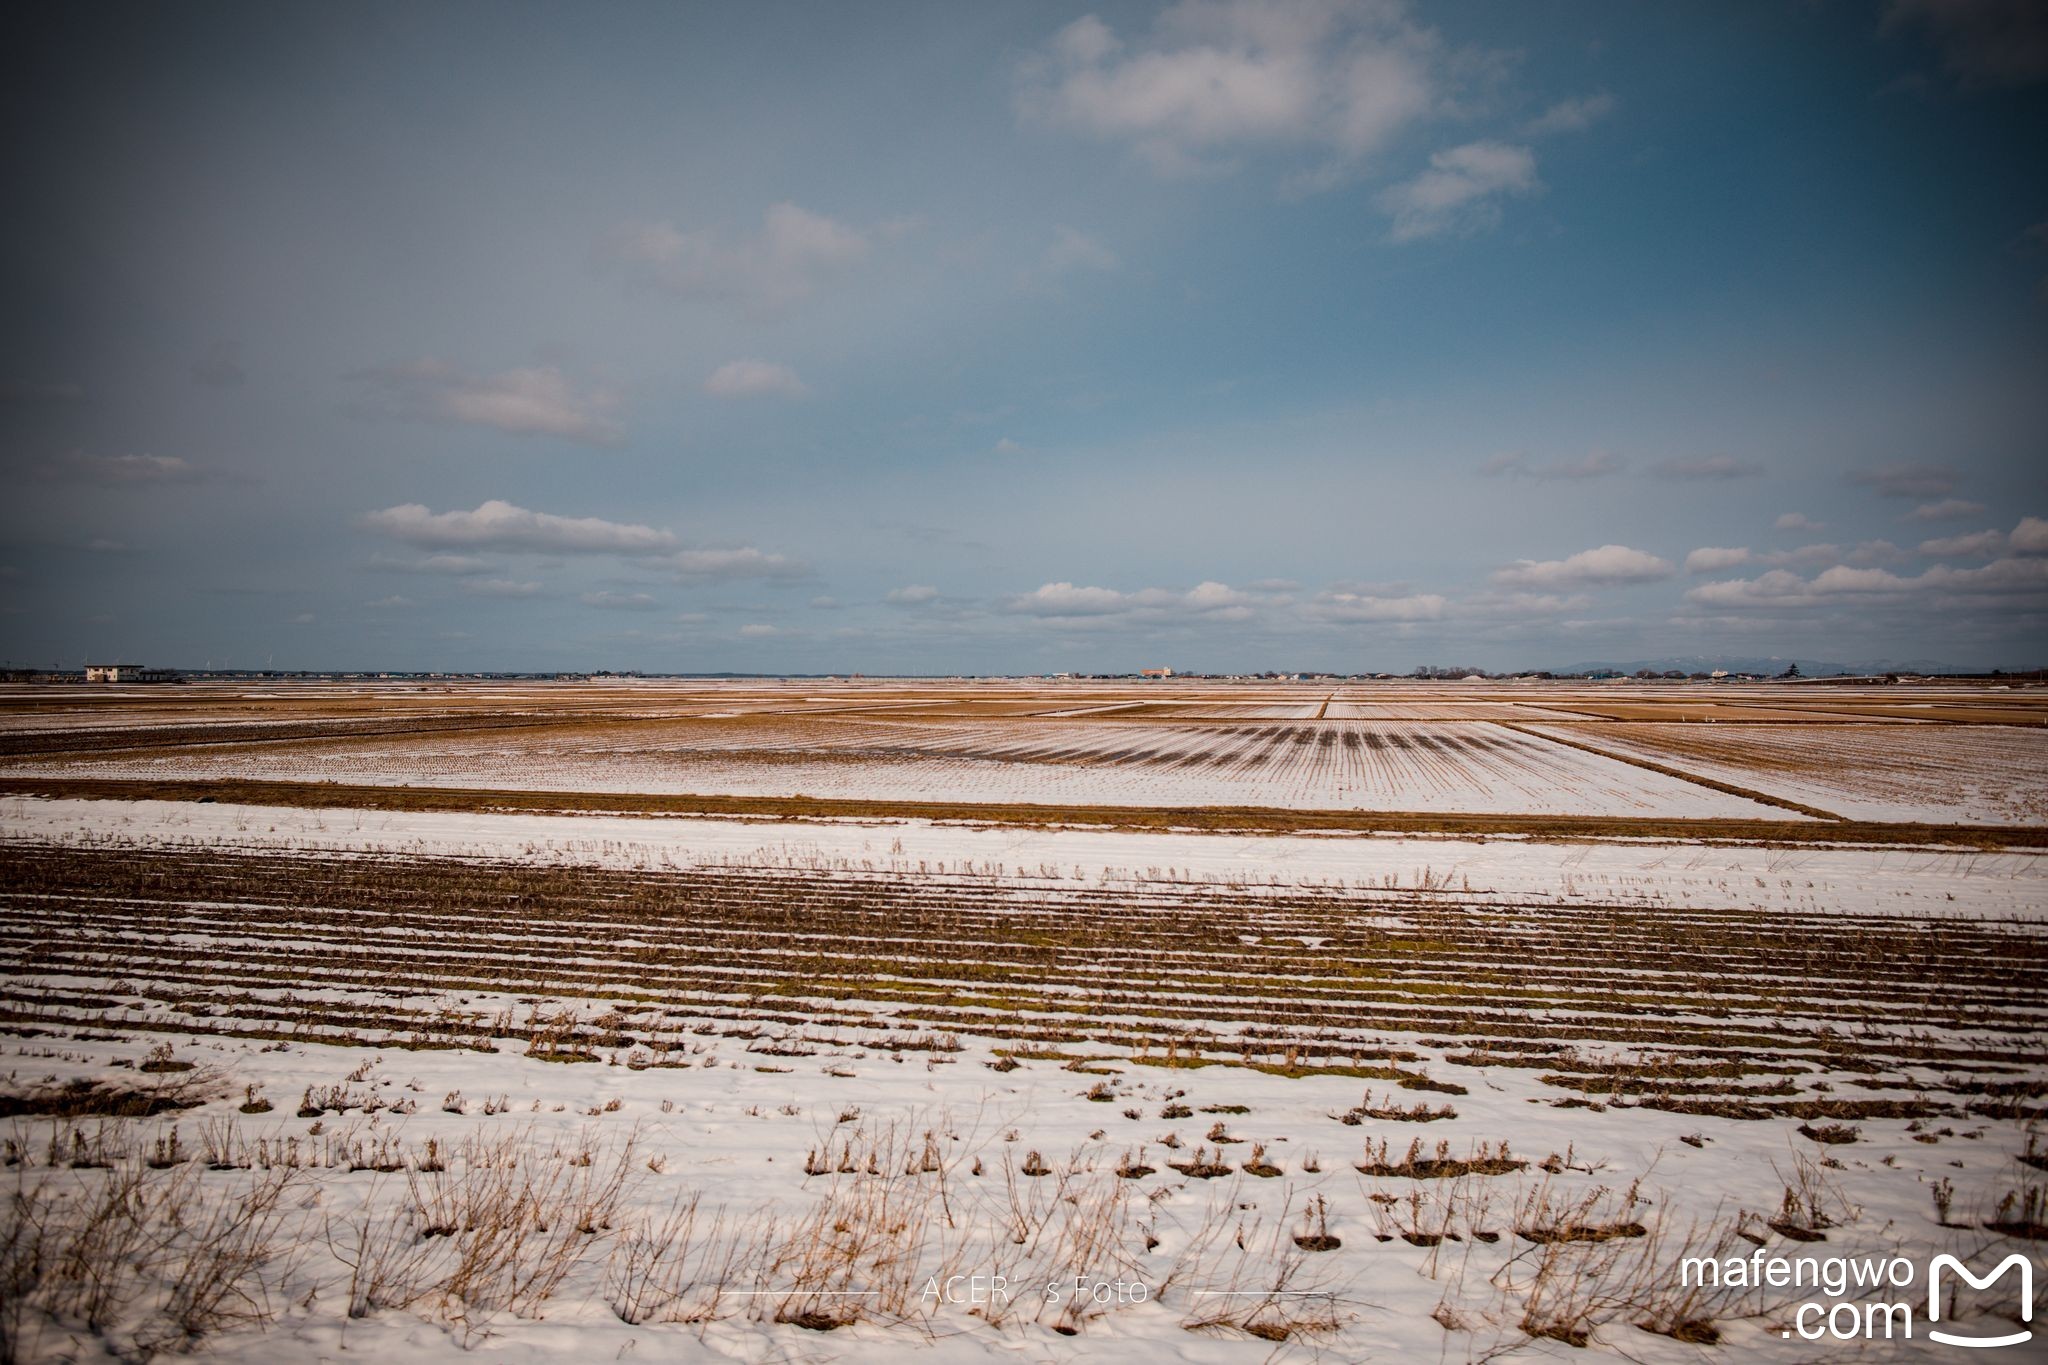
1218, 77
1803, 556
1570, 116
1006, 446
1783, 589
1977, 545
1609, 565
916, 594
1842, 578
395, 602
1593, 464
742, 561
1777, 587
1901, 480
537, 400
619, 601
795, 253
1071, 251
1875, 552
2012, 575
755, 379
1798, 521
1066, 599
1506, 462
1708, 467
1348, 604
498, 525
1085, 41
1212, 596
499, 587
1210, 600
1522, 606
2030, 537
1715, 559
1460, 192
1949, 509
759, 631
452, 564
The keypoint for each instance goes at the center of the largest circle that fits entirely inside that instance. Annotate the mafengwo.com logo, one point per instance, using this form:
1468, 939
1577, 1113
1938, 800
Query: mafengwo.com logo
1950, 1263
1862, 1302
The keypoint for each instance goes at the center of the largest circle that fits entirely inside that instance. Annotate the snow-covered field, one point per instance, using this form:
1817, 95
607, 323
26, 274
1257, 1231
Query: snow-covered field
1927, 754
1719, 875
1988, 774
667, 1213
511, 1167
1348, 765
286, 1082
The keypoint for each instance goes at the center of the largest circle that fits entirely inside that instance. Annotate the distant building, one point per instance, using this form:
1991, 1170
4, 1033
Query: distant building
128, 673
1156, 673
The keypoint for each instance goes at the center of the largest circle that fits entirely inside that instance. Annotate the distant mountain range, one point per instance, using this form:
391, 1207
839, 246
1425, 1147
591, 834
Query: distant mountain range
1772, 664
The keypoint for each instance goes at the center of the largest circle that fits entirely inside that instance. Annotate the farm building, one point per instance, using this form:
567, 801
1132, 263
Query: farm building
128, 673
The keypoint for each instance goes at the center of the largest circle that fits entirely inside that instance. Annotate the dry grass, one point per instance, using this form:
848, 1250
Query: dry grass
148, 1257
795, 960
1485, 1159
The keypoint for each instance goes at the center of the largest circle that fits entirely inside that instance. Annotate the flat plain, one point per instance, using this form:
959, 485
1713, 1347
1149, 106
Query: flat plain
756, 1020
1935, 755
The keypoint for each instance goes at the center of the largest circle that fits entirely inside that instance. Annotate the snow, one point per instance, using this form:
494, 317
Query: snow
737, 1135
736, 1126
1331, 765
1801, 881
1974, 774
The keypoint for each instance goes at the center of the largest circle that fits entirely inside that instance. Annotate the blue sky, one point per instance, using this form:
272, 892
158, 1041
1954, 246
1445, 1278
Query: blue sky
1014, 338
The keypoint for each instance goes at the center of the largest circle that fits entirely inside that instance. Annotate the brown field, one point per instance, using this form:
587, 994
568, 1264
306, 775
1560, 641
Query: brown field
1951, 755
1720, 1005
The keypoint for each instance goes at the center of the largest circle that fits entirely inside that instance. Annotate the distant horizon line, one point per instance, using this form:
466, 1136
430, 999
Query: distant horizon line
1421, 673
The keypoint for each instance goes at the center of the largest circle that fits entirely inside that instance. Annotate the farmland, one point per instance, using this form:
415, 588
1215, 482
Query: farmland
506, 1017
1760, 753
1986, 773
